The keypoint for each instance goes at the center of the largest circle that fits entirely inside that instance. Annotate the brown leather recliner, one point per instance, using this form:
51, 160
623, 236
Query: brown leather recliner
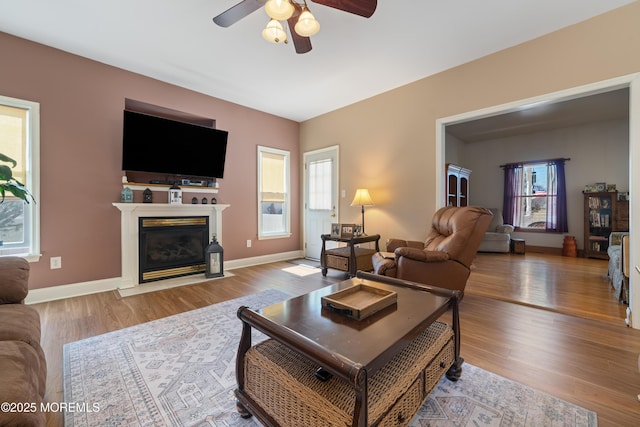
445, 257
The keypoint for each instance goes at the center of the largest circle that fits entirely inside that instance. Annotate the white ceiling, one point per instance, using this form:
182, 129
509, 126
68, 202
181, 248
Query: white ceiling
353, 58
611, 105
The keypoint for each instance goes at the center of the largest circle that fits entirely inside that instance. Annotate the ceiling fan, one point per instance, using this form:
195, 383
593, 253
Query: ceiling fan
302, 25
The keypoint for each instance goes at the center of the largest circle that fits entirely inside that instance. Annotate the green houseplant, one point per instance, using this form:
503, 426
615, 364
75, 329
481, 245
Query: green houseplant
9, 184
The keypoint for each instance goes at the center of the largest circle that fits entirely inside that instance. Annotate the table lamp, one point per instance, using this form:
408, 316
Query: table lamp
362, 198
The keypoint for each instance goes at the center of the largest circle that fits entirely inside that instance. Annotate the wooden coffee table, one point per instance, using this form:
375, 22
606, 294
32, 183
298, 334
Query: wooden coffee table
350, 351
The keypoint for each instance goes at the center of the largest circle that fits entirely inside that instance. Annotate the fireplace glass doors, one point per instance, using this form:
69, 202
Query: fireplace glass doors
172, 247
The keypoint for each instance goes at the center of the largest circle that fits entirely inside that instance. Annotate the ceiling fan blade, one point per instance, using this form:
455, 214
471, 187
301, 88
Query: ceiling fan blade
301, 43
358, 7
237, 12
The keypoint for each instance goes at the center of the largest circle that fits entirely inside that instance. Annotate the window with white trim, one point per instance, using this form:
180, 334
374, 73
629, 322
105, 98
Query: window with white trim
274, 207
20, 141
320, 191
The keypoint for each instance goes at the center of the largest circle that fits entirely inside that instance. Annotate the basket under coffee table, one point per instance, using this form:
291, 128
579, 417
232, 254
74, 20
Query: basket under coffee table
380, 369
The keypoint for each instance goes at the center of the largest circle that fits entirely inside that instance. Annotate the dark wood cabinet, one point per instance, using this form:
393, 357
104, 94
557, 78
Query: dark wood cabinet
603, 213
457, 185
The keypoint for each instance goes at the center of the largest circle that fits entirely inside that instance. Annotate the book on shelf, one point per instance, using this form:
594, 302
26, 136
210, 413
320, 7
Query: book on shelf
599, 202
599, 220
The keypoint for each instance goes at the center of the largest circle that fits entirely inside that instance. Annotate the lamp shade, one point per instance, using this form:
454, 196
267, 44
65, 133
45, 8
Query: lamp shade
279, 9
362, 198
274, 32
307, 24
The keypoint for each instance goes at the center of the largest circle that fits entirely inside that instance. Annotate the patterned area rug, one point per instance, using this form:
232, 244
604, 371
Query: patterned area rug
180, 371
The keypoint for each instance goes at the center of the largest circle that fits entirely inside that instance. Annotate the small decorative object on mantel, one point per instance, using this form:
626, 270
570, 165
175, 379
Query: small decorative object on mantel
214, 259
194, 200
204, 201
175, 195
126, 195
214, 201
147, 196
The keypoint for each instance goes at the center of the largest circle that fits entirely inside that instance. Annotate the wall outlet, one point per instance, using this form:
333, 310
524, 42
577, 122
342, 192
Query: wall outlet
55, 262
248, 243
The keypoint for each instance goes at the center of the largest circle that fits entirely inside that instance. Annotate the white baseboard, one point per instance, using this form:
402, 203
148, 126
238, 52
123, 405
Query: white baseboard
54, 293
264, 259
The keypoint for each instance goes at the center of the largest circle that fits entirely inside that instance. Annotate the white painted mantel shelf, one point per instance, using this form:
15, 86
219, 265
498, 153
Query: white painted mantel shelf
131, 212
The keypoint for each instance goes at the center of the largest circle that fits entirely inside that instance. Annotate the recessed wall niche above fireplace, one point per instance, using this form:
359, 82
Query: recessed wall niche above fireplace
130, 218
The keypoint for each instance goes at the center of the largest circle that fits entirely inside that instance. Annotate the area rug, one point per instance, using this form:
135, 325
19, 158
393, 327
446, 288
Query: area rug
180, 371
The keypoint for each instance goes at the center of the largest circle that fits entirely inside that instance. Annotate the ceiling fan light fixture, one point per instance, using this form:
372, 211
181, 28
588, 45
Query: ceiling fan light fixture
279, 9
274, 33
307, 25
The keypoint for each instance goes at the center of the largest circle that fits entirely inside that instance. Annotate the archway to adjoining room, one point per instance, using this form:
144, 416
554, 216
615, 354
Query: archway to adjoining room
632, 83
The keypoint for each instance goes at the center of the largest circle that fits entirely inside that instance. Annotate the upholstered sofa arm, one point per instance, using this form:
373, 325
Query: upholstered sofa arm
393, 244
384, 266
421, 255
505, 228
14, 280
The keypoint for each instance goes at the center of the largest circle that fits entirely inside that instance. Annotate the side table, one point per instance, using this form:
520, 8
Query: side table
517, 246
349, 258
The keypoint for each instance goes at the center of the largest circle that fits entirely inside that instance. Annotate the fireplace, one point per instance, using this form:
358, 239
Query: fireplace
171, 246
130, 214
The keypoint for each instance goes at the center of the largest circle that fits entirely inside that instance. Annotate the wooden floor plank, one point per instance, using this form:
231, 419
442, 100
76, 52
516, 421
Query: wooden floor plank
546, 321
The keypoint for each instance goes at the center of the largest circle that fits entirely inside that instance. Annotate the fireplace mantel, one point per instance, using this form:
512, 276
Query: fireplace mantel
131, 212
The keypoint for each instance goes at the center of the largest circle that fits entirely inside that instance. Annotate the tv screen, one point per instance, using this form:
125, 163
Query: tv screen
158, 145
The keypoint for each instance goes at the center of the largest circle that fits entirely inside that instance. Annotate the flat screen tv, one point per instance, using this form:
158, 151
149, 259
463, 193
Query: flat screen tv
162, 146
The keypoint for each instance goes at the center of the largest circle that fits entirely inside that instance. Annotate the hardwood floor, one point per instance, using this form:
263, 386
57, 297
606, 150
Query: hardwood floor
575, 346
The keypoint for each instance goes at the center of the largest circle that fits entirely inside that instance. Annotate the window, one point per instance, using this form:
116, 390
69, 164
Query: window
320, 191
535, 196
20, 136
274, 209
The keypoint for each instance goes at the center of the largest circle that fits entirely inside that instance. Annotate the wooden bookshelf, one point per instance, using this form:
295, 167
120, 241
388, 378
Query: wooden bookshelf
601, 217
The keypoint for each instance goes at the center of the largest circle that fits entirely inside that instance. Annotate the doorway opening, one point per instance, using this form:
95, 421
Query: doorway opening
632, 82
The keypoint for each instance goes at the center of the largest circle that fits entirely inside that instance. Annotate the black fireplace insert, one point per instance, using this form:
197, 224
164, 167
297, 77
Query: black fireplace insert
172, 246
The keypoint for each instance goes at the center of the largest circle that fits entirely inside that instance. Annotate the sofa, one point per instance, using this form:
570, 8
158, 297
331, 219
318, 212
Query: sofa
498, 235
23, 368
618, 248
444, 258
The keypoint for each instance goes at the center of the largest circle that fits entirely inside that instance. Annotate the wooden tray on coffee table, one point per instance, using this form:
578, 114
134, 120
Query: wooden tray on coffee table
359, 301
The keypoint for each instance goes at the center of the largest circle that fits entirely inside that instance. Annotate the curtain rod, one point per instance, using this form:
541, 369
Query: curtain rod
566, 159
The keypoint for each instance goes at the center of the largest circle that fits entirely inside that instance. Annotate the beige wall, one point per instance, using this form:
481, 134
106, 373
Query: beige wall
81, 103
388, 143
